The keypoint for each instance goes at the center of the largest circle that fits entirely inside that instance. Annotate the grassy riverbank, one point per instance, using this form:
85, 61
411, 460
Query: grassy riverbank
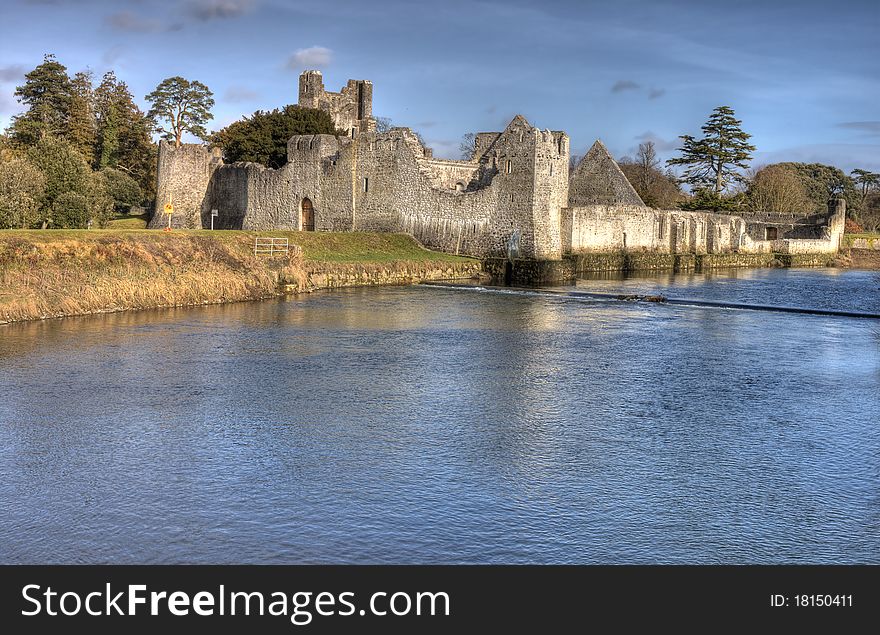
73, 272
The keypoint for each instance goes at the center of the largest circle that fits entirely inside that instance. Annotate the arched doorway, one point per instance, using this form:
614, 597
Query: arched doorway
307, 215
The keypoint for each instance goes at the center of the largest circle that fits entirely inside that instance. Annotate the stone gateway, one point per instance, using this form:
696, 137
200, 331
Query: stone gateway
516, 182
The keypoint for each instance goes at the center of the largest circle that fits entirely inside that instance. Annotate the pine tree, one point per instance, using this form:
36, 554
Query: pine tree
124, 141
712, 161
180, 106
262, 137
866, 180
47, 95
81, 127
107, 121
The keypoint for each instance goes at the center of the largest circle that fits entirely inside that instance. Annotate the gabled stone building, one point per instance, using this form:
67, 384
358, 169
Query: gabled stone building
515, 184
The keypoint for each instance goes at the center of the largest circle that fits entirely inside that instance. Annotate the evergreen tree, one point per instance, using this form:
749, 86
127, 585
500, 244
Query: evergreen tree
66, 172
22, 187
107, 121
47, 95
124, 141
80, 130
865, 180
180, 106
712, 161
825, 182
262, 137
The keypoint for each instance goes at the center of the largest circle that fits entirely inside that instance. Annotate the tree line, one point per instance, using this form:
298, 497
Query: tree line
716, 168
82, 150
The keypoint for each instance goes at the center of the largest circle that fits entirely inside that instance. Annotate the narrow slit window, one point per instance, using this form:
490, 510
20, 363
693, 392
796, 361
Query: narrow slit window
366, 184
508, 166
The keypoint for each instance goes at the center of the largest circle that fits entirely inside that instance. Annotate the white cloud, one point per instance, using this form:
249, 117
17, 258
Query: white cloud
312, 57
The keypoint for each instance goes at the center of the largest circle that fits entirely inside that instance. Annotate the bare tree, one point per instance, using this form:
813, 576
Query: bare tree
778, 189
383, 124
648, 166
467, 145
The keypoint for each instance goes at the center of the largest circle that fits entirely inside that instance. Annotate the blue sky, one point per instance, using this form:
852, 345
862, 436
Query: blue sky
803, 76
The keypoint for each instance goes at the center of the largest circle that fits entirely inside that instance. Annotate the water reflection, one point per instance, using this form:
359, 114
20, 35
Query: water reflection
435, 425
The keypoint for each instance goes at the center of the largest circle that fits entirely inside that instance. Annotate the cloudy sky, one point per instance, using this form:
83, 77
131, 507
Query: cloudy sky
802, 75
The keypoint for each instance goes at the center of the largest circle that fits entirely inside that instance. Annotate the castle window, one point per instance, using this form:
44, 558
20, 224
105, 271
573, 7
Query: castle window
366, 184
551, 169
771, 233
508, 169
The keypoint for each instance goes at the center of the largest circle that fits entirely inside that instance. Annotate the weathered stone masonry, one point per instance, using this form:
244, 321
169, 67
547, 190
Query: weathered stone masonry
516, 181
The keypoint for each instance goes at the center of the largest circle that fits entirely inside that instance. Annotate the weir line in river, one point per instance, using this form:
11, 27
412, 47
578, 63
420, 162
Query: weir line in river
655, 299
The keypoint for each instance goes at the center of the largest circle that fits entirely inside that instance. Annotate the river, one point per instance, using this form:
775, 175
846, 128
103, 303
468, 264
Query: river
439, 425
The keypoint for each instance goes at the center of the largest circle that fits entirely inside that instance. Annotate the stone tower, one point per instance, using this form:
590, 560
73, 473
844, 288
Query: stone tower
351, 108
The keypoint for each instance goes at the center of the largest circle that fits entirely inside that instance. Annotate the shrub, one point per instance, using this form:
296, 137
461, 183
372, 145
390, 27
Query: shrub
121, 189
22, 187
71, 211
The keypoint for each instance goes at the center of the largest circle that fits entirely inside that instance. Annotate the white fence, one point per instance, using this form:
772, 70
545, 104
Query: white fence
271, 246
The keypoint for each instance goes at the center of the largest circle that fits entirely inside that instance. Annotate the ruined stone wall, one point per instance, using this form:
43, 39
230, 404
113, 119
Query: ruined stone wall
403, 193
597, 179
183, 178
228, 194
351, 109
452, 175
250, 196
550, 191
387, 182
604, 228
482, 142
600, 228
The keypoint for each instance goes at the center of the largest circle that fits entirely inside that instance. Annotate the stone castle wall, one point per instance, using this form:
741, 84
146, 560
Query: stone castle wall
601, 228
516, 183
184, 176
351, 108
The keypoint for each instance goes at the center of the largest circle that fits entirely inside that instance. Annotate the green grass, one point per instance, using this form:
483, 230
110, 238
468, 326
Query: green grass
329, 247
128, 221
870, 237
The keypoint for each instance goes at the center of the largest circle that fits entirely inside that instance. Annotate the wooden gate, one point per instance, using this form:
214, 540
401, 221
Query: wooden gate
307, 216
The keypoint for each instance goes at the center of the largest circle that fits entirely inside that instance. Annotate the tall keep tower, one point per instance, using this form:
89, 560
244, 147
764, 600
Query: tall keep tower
351, 108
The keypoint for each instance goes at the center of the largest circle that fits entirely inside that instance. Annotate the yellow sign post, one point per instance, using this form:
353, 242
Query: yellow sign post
168, 209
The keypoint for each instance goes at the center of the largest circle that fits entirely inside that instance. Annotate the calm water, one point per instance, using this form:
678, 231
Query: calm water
422, 425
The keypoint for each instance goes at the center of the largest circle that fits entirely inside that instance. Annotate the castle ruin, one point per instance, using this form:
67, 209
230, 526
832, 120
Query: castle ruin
515, 184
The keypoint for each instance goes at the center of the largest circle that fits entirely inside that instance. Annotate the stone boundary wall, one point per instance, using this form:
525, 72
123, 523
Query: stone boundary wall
339, 276
525, 272
603, 228
865, 243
